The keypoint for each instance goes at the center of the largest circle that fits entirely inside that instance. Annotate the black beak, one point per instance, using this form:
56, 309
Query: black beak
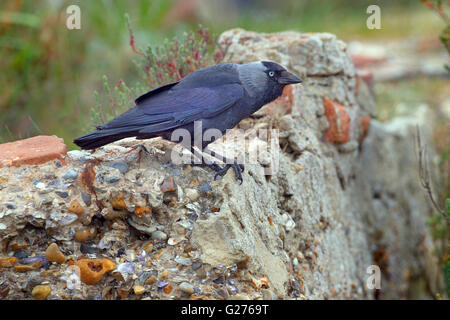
288, 78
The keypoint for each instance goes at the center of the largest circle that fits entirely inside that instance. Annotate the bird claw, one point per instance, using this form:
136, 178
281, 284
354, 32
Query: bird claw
220, 172
138, 146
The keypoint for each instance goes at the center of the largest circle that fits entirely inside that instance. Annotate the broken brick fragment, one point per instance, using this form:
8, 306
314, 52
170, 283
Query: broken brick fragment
283, 104
35, 150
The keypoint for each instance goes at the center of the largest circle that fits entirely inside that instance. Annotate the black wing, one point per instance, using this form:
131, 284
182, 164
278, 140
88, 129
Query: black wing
173, 108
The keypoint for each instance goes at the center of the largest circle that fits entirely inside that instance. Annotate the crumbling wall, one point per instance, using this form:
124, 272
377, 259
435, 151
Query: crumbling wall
345, 197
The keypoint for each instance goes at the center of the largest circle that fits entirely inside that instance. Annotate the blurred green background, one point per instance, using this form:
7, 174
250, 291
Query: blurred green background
49, 73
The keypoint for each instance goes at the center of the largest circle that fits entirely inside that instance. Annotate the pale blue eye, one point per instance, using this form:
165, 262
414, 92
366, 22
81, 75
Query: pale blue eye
271, 74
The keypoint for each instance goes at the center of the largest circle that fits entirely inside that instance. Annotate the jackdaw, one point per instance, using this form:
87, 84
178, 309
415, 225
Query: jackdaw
218, 96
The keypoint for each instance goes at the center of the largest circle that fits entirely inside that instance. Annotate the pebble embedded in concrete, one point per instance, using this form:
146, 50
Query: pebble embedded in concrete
54, 254
186, 288
112, 179
41, 292
70, 174
121, 166
159, 235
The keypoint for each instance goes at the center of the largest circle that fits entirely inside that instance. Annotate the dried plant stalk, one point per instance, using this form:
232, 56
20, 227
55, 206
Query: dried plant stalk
424, 172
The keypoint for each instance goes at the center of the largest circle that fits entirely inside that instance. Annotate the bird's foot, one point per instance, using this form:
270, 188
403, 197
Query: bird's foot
220, 172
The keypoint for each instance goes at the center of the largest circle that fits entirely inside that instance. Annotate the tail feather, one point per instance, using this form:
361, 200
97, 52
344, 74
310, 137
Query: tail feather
102, 137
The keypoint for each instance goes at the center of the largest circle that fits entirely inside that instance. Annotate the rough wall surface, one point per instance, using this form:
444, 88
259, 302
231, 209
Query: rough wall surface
345, 197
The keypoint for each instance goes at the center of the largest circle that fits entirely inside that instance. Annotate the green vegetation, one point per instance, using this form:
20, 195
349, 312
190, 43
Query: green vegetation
438, 7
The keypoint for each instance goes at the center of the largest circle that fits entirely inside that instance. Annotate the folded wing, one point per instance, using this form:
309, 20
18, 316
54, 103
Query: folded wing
173, 108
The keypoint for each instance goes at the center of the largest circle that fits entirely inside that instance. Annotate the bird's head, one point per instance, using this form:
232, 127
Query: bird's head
266, 78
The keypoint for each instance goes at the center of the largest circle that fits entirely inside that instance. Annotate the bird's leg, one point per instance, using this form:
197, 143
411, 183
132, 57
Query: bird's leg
221, 171
237, 167
214, 166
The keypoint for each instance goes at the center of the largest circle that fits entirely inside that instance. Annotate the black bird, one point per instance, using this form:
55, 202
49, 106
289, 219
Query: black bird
218, 96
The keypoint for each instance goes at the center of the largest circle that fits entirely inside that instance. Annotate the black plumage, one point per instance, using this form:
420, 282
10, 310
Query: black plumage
219, 96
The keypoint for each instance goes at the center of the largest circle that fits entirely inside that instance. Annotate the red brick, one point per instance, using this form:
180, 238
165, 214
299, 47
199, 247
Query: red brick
339, 120
283, 104
35, 150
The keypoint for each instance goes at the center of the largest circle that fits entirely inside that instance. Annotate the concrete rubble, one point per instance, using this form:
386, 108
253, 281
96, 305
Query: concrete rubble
344, 196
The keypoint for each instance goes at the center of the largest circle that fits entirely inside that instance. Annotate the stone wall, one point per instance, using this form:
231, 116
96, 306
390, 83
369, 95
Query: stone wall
131, 224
